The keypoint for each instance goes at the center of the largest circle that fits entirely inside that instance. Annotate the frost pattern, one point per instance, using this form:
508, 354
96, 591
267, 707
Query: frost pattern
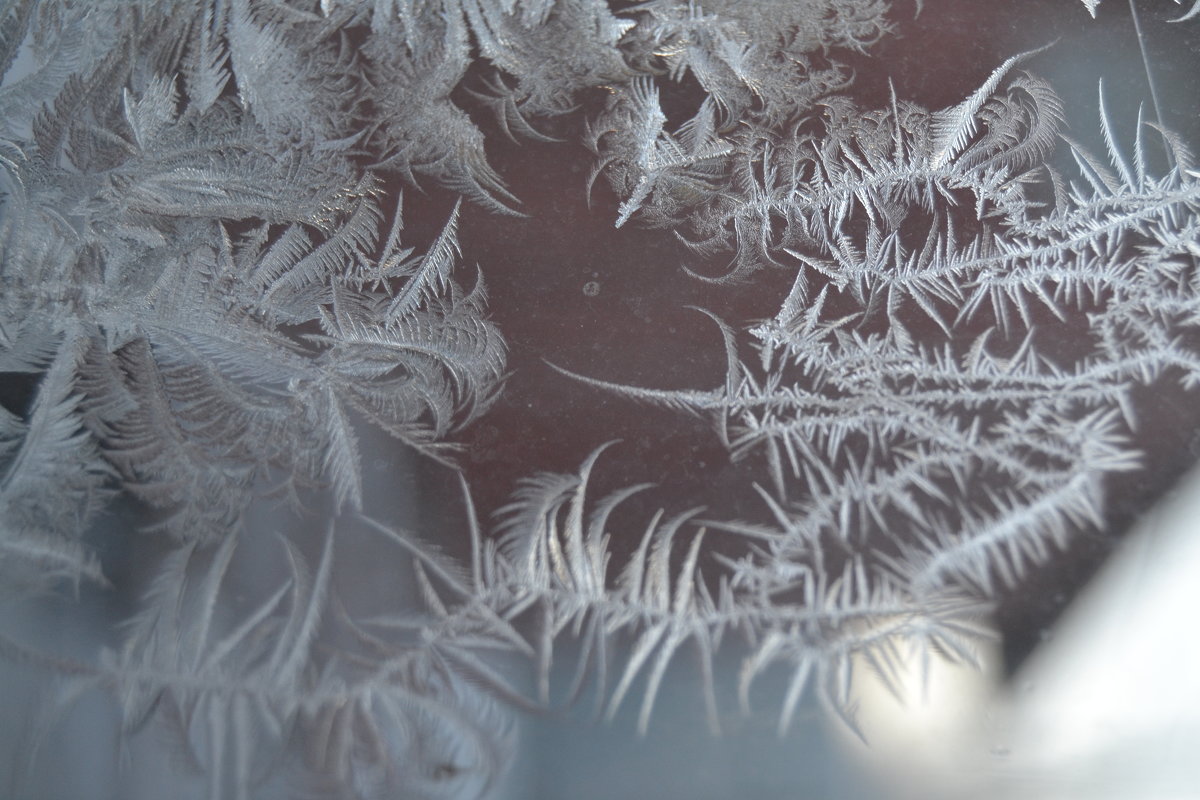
207, 292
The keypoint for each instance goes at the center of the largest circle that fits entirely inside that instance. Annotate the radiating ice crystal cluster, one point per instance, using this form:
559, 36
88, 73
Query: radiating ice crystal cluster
207, 295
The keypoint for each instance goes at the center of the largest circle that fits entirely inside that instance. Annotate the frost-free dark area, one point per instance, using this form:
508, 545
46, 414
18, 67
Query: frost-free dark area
396, 391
